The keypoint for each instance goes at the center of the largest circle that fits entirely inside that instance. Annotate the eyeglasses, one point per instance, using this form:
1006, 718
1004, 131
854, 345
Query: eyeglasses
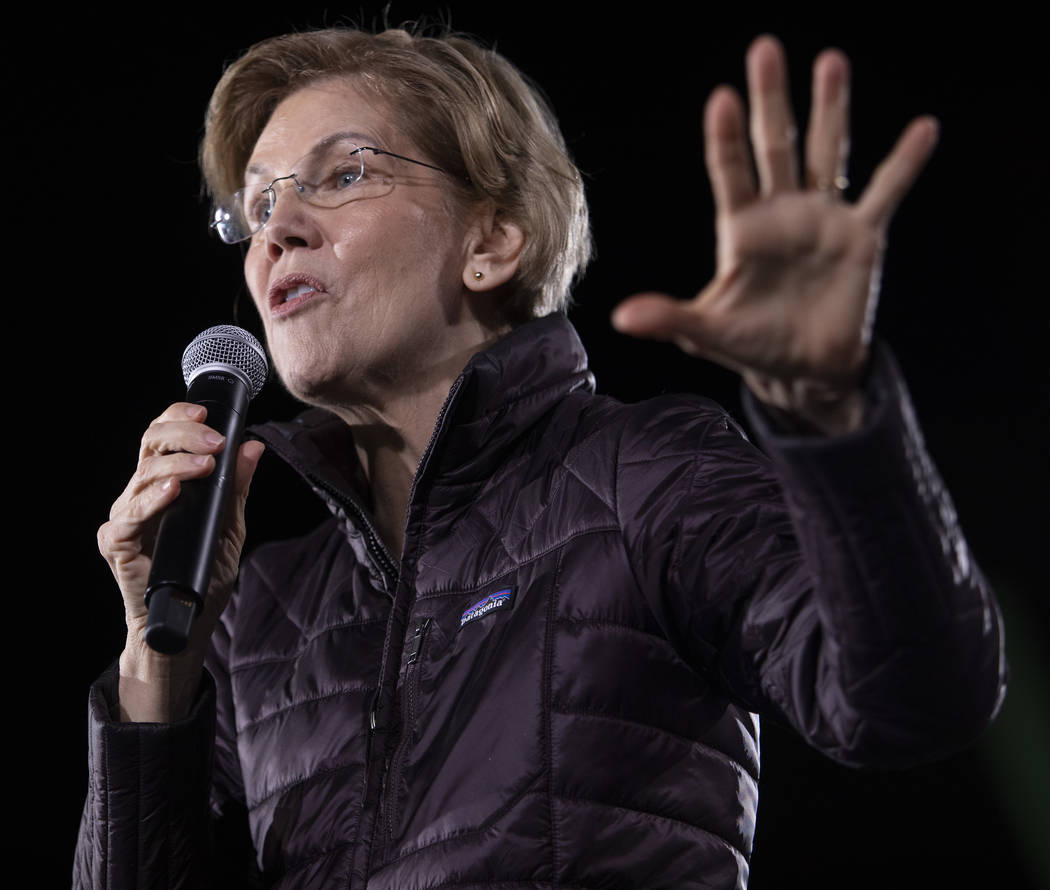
331, 175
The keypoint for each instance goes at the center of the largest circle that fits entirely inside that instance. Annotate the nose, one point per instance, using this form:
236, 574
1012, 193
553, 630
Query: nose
291, 225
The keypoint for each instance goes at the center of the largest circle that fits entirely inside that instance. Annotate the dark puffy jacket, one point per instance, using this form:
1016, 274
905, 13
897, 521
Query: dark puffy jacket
554, 685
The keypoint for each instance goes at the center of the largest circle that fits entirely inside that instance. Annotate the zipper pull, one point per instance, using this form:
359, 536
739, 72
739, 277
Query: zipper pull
417, 640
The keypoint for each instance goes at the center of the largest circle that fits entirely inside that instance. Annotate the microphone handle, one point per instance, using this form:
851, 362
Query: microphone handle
192, 523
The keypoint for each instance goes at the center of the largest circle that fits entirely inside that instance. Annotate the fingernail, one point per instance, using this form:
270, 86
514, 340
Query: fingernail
202, 460
214, 439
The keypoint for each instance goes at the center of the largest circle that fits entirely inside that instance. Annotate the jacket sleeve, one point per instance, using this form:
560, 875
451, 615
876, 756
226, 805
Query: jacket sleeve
154, 817
827, 586
145, 820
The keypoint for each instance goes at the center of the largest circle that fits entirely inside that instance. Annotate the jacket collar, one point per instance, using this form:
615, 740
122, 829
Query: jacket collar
500, 393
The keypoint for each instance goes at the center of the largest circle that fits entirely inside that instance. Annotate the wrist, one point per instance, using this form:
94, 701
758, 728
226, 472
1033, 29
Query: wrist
156, 688
810, 407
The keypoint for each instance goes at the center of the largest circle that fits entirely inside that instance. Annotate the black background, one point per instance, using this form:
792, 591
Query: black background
107, 112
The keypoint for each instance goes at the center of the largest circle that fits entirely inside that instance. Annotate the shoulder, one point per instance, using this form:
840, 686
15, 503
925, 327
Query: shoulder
685, 427
667, 456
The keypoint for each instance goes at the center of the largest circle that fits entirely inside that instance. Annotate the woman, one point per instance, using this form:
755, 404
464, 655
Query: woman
526, 649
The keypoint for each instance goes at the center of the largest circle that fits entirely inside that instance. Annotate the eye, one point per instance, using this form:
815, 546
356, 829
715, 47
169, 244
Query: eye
258, 207
346, 177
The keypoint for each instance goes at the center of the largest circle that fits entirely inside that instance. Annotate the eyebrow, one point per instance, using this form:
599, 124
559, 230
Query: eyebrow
362, 140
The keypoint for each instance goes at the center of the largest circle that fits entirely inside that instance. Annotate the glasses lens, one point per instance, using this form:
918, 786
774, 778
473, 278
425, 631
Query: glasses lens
226, 224
326, 176
245, 213
329, 176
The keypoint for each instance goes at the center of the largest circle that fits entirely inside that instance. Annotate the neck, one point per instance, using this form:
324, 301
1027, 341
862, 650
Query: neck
391, 432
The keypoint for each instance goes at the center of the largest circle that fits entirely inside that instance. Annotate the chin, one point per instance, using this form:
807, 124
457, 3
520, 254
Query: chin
313, 385
316, 393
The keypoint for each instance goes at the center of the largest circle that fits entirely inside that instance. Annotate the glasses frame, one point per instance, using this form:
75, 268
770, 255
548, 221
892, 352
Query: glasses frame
217, 222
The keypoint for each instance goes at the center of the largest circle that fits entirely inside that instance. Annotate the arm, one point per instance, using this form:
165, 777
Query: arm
147, 820
853, 611
829, 588
904, 659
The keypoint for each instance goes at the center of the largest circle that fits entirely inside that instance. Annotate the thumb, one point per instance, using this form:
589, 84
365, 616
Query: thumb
660, 317
248, 458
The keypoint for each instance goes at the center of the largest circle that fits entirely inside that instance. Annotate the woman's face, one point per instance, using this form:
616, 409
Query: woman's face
379, 281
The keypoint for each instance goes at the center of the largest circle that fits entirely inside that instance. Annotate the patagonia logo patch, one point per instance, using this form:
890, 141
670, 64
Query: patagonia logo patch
501, 599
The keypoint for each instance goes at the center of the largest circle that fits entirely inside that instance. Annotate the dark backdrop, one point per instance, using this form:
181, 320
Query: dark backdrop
122, 266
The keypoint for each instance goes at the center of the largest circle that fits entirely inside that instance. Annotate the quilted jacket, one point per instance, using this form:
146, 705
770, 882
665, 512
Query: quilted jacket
556, 684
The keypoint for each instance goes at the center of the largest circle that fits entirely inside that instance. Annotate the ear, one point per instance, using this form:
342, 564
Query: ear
494, 248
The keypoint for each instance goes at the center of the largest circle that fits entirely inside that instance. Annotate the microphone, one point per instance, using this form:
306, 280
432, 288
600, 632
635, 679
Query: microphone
224, 368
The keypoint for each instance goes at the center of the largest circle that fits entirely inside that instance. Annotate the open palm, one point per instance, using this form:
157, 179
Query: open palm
797, 272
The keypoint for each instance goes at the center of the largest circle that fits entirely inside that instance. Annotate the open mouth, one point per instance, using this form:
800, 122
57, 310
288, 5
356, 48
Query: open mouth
294, 293
292, 290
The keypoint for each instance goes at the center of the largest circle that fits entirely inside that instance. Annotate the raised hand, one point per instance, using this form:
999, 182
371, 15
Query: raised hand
796, 284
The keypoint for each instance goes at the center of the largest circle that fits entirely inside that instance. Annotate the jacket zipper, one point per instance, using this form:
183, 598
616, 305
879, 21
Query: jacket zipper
387, 786
424, 461
408, 719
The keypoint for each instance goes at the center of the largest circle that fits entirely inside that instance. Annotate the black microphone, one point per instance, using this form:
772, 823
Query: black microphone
224, 368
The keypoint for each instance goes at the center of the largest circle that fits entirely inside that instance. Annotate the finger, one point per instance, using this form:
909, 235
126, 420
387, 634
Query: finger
773, 131
179, 465
179, 412
726, 151
146, 505
122, 533
182, 411
157, 473
827, 136
165, 437
153, 471
898, 172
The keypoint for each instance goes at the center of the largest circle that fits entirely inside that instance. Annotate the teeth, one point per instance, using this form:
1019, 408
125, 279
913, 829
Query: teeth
293, 293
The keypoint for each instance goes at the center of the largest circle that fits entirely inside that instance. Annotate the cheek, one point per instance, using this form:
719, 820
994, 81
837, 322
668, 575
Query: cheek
254, 274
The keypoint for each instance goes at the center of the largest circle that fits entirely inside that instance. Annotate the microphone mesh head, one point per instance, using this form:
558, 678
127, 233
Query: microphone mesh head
229, 346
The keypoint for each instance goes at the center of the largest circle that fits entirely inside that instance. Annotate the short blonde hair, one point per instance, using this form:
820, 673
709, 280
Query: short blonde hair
465, 106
